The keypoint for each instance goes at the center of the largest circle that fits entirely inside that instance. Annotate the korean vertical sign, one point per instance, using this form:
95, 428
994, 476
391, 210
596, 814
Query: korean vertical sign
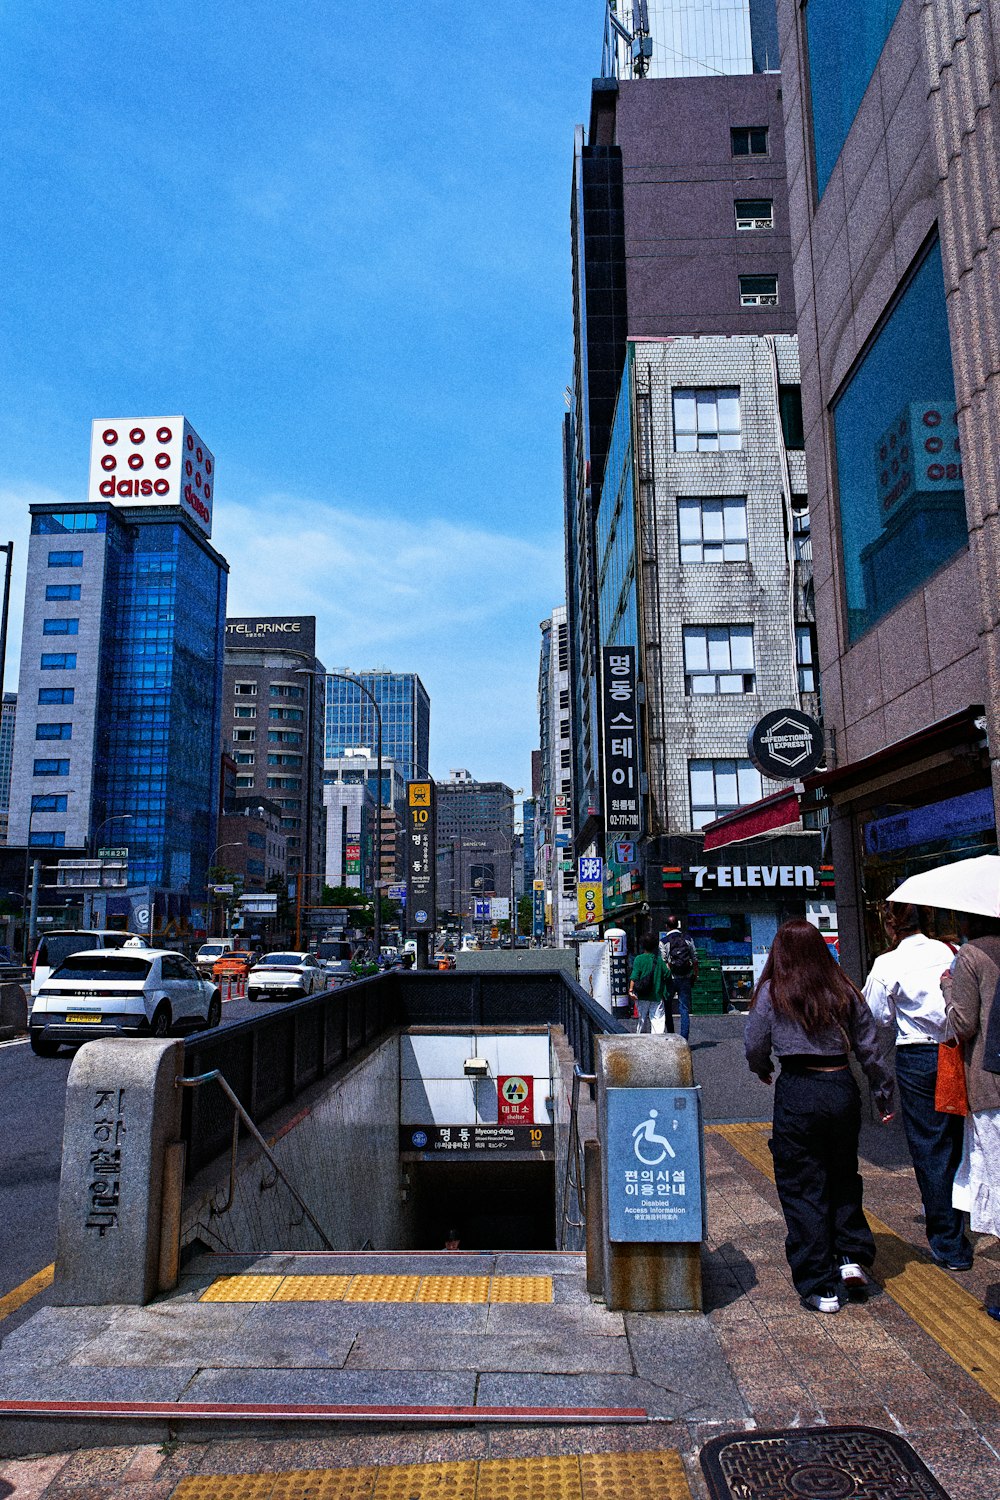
421, 854
619, 701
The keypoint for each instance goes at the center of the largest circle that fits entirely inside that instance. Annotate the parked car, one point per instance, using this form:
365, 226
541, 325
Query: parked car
133, 991
234, 965
57, 946
208, 952
286, 976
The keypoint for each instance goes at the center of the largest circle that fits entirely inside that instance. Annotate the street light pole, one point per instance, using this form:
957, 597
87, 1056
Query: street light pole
91, 846
231, 844
346, 677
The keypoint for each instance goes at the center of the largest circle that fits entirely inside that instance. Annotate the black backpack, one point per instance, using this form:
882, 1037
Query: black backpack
679, 955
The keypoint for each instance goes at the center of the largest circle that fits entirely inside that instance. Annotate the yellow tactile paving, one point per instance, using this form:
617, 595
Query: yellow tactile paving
594, 1476
454, 1289
242, 1289
442, 1481
382, 1289
312, 1289
521, 1289
951, 1315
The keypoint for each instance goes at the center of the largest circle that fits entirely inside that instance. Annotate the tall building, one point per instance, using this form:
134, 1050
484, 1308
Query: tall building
252, 842
357, 767
117, 734
349, 802
7, 718
689, 38
475, 841
272, 725
406, 719
678, 227
896, 222
554, 858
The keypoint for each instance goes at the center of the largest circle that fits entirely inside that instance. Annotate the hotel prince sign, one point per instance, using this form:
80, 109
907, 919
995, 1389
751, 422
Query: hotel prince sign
620, 721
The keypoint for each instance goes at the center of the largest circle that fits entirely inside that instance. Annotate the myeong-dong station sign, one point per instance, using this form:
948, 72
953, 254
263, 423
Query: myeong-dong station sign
139, 461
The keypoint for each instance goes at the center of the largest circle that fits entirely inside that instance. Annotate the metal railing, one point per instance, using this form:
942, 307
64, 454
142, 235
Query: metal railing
574, 1175
269, 1060
240, 1114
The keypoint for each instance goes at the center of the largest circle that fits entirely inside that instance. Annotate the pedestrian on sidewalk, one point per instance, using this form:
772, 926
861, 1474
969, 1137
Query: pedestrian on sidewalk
681, 957
807, 1013
970, 991
650, 987
904, 993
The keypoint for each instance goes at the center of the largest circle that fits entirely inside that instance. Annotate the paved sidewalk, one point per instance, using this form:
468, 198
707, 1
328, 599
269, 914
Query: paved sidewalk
756, 1359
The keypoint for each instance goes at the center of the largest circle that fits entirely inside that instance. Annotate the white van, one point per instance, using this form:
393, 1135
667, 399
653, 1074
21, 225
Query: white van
204, 959
57, 946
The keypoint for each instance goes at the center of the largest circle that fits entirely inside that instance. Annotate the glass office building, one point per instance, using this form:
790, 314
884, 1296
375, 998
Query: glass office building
406, 719
117, 741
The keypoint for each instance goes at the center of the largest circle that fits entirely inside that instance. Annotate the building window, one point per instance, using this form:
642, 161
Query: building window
713, 531
244, 782
55, 695
255, 867
718, 659
565, 759
51, 768
754, 213
805, 657
246, 690
285, 690
53, 731
287, 715
65, 559
54, 660
243, 757
62, 591
721, 786
707, 421
899, 469
564, 697
843, 55
801, 534
758, 291
43, 803
60, 627
242, 712
790, 406
285, 737
748, 140
49, 840
245, 736
71, 520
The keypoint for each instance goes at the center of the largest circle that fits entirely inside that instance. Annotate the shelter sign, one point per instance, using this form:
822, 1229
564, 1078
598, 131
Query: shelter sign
515, 1100
620, 740
421, 869
654, 1159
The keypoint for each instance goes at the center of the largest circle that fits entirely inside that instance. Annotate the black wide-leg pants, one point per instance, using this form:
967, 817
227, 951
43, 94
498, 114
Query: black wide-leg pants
817, 1118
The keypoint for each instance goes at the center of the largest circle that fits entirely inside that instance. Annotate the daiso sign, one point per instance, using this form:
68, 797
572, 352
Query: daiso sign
152, 461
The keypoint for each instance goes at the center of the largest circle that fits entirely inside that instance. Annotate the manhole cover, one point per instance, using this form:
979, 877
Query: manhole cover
817, 1463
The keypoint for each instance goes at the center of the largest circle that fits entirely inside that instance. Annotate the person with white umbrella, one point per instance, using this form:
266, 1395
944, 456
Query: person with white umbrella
971, 990
904, 993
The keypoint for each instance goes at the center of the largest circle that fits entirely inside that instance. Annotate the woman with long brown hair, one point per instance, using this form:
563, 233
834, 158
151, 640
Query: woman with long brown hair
807, 1013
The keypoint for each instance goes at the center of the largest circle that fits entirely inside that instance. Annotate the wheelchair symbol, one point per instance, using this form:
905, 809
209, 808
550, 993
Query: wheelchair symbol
645, 1132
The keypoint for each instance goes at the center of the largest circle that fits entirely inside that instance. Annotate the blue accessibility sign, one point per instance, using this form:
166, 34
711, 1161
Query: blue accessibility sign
655, 1166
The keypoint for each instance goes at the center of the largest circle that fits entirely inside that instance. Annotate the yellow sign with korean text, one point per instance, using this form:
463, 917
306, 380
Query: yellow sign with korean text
589, 901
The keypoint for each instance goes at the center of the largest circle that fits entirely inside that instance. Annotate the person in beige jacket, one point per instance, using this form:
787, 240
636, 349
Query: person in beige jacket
970, 991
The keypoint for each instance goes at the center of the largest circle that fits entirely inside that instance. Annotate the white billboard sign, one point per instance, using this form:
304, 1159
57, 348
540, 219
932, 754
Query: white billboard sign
152, 461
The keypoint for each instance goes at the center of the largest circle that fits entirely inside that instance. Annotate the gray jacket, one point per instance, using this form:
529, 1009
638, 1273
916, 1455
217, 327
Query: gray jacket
768, 1033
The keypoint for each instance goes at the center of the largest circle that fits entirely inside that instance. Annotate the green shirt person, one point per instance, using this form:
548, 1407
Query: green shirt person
650, 986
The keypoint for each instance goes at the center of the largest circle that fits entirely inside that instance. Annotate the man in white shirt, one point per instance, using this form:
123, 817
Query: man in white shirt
904, 993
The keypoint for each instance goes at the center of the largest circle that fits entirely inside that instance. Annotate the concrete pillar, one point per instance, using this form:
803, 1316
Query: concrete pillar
648, 1275
122, 1112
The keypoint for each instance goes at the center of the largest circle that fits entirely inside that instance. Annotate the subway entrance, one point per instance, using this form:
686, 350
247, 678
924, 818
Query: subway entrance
474, 1205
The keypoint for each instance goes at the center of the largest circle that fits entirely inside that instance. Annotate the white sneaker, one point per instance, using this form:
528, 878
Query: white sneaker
852, 1275
818, 1303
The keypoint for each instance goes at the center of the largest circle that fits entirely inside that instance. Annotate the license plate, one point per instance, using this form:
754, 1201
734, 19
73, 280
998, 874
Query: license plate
82, 1020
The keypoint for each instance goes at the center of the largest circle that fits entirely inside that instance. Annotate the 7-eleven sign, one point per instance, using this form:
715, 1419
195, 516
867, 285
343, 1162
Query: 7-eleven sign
515, 1105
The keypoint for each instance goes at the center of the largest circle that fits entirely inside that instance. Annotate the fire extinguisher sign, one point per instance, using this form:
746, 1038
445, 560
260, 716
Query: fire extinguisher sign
515, 1105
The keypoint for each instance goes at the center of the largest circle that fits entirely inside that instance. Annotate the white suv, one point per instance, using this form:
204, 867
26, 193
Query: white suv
58, 945
127, 992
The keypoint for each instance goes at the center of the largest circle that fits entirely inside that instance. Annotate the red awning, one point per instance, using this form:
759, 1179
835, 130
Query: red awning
777, 811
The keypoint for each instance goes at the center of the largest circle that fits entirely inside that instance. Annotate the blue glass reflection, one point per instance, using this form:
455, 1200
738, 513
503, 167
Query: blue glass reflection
902, 502
845, 43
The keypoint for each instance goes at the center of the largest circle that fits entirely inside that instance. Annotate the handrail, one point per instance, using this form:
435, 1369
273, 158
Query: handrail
215, 1076
573, 1178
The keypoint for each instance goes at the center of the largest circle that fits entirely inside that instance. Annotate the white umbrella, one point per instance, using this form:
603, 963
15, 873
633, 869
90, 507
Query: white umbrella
964, 885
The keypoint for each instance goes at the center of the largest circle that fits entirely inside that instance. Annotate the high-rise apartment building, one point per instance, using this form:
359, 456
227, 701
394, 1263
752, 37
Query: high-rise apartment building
359, 767
272, 725
406, 719
554, 858
475, 841
117, 733
7, 719
895, 220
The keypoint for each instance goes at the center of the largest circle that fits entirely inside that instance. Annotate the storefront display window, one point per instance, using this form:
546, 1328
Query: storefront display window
899, 469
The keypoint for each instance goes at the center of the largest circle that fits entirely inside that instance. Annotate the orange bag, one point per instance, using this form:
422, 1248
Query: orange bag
950, 1096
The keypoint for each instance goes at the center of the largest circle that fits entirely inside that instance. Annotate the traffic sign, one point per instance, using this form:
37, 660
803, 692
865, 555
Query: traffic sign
112, 854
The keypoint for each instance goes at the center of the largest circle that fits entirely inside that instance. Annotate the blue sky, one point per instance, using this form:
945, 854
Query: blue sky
337, 239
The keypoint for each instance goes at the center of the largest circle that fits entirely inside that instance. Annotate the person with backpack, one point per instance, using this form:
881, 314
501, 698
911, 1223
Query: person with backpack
650, 987
681, 957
